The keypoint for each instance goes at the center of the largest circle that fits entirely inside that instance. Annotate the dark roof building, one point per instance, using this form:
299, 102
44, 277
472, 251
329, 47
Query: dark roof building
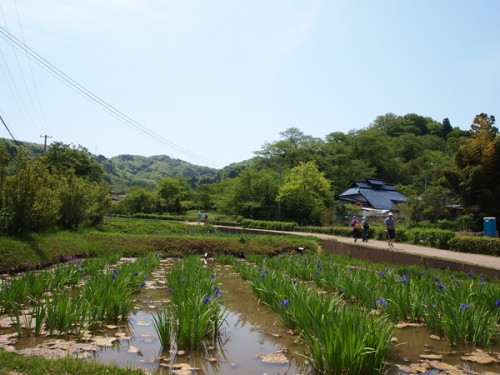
373, 193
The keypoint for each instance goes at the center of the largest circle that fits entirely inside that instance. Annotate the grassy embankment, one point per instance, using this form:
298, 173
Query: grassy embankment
134, 237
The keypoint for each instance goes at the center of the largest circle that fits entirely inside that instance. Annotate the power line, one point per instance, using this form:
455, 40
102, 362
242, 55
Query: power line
87, 94
20, 146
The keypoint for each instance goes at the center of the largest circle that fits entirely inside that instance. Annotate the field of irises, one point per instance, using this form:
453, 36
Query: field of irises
74, 297
345, 313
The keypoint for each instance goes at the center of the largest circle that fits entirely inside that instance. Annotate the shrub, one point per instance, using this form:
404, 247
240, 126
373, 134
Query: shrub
271, 225
476, 245
430, 237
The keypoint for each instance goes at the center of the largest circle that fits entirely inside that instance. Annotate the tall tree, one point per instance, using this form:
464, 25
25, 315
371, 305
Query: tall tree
61, 158
478, 159
254, 194
293, 148
173, 190
305, 194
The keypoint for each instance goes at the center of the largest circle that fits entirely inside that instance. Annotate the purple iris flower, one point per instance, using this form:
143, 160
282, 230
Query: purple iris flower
284, 302
113, 276
497, 303
381, 273
440, 286
294, 281
403, 279
464, 306
381, 301
207, 299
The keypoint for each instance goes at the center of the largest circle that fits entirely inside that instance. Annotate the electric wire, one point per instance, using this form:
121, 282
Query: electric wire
40, 115
19, 145
81, 90
16, 94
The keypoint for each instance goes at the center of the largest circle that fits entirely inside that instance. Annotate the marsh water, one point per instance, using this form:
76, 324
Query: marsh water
253, 341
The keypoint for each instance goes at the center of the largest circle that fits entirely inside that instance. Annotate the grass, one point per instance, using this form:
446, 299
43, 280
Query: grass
135, 237
12, 363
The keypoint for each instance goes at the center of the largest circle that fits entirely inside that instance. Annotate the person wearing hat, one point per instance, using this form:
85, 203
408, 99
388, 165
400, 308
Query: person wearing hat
390, 229
355, 228
364, 229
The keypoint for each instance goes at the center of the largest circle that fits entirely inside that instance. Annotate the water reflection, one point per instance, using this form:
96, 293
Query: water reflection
251, 329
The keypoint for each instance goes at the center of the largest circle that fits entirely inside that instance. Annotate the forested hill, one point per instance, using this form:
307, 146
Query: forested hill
124, 171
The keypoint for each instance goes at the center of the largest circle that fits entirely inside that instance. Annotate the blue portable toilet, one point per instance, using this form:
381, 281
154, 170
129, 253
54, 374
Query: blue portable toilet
490, 226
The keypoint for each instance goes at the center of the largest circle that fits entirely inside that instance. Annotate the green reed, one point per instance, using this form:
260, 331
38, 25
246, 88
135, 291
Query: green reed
163, 323
198, 310
340, 339
408, 294
66, 313
346, 341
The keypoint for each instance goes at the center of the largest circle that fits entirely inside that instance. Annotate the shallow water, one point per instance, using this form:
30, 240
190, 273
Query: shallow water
251, 330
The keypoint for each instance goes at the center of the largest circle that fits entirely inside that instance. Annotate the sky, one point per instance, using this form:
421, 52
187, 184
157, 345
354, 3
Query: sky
211, 82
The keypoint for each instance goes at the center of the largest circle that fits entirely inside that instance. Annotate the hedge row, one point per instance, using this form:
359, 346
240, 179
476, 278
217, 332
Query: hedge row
476, 245
438, 238
271, 225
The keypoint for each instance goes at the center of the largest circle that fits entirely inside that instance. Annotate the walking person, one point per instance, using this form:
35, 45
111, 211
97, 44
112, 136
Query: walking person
390, 229
364, 229
355, 228
199, 217
205, 217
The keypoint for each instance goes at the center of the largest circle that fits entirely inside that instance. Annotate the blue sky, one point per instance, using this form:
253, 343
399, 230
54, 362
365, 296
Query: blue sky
210, 82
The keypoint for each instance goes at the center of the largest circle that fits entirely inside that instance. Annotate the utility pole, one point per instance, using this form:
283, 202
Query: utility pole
45, 144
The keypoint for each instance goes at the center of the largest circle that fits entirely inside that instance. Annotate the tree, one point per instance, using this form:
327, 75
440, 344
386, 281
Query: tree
305, 194
203, 197
82, 201
138, 199
254, 194
340, 162
478, 161
61, 158
294, 147
173, 190
29, 198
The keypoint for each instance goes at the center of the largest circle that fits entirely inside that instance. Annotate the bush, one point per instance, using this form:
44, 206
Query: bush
430, 237
476, 245
271, 225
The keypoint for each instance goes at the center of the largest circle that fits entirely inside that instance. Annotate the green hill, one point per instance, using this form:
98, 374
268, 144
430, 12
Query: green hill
123, 171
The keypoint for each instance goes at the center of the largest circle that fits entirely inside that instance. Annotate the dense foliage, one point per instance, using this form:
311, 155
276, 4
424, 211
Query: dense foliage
297, 177
62, 187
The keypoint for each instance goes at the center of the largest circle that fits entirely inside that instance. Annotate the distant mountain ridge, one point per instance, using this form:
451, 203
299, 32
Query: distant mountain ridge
124, 171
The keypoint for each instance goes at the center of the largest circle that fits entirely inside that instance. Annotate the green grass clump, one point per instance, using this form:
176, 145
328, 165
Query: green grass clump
13, 363
196, 305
